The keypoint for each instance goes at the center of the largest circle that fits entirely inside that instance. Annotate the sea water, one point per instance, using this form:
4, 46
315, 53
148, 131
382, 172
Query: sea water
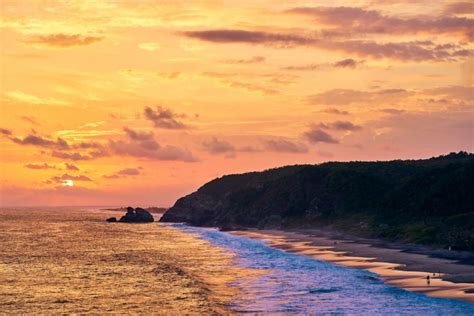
297, 284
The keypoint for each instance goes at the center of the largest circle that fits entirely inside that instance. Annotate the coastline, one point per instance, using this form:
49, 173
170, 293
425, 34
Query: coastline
396, 264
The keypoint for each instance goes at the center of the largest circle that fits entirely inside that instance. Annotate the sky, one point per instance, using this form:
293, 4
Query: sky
141, 102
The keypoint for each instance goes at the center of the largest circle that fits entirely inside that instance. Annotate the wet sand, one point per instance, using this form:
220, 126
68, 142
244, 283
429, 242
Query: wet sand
62, 262
395, 266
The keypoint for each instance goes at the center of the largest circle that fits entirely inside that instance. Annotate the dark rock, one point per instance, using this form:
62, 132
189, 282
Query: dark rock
111, 220
144, 215
137, 215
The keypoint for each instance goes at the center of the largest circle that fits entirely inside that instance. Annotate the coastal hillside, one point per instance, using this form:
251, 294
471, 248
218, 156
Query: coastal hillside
427, 201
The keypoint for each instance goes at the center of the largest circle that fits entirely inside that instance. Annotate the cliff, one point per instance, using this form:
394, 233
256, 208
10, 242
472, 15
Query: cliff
427, 201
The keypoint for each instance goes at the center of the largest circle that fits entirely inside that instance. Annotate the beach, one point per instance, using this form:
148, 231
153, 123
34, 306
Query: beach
397, 265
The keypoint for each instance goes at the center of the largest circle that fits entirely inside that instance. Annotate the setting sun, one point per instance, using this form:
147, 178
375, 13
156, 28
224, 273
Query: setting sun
68, 183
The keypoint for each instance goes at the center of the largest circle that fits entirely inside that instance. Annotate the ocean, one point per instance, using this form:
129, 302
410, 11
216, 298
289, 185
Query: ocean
70, 260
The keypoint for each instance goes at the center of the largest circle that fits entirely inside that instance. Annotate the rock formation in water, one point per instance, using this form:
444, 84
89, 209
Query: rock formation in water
427, 201
137, 215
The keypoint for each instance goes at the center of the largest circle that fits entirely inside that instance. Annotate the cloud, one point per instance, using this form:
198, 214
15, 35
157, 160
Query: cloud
215, 146
149, 46
404, 51
150, 150
123, 173
316, 135
139, 144
325, 154
75, 156
308, 67
5, 131
459, 8
448, 95
242, 36
352, 20
340, 126
344, 63
64, 40
251, 87
66, 176
146, 140
392, 111
39, 166
164, 118
348, 96
29, 119
39, 141
462, 93
340, 97
248, 149
228, 80
252, 60
423, 132
286, 146
138, 135
86, 145
335, 111
23, 97
72, 167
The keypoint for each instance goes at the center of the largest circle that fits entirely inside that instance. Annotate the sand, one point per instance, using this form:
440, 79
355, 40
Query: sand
405, 267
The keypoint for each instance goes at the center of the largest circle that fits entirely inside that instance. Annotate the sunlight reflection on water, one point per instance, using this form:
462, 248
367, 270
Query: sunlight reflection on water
303, 285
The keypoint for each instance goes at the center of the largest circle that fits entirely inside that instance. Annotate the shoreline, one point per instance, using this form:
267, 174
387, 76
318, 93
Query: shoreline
396, 264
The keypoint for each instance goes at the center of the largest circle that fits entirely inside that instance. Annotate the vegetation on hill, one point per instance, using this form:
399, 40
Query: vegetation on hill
427, 201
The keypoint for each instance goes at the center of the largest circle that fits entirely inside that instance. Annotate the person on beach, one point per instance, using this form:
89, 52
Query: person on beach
428, 279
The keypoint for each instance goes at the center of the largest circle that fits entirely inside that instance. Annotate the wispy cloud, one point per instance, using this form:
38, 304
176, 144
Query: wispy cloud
142, 150
144, 145
64, 40
348, 63
285, 146
23, 97
5, 132
83, 155
65, 176
340, 126
39, 166
464, 7
251, 60
164, 118
216, 146
40, 141
404, 51
149, 46
71, 166
126, 172
29, 119
349, 96
350, 20
316, 135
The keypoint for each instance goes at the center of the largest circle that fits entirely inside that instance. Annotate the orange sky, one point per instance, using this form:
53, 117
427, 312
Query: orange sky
140, 102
